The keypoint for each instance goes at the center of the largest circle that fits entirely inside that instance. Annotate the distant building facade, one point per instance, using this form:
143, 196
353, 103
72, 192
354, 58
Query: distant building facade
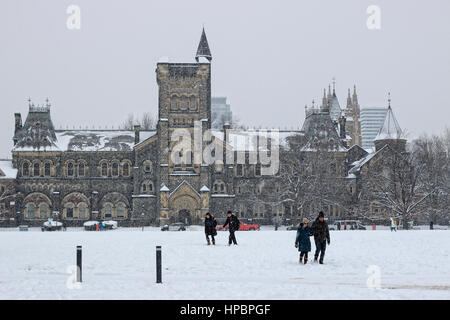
141, 177
371, 121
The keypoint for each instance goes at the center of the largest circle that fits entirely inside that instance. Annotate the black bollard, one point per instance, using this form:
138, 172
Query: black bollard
158, 265
78, 263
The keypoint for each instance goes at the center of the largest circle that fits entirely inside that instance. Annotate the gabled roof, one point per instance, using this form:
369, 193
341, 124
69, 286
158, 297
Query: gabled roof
203, 48
6, 170
335, 108
390, 128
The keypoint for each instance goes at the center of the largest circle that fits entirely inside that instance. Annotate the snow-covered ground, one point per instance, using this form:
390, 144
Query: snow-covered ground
120, 264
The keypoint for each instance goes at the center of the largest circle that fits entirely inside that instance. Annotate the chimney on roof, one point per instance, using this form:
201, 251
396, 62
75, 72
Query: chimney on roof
18, 119
137, 134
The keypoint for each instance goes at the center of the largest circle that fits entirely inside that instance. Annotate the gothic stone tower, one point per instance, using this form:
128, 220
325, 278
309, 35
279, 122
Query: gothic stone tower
352, 114
184, 101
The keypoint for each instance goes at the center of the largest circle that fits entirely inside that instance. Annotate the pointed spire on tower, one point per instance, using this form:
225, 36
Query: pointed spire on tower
389, 100
349, 100
203, 48
324, 99
355, 96
334, 86
390, 129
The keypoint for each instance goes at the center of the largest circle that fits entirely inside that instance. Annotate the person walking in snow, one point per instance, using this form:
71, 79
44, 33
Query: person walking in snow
431, 225
210, 228
302, 241
233, 226
393, 226
321, 234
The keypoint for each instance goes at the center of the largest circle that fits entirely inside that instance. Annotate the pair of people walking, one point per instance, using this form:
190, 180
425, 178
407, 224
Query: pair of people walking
211, 223
321, 233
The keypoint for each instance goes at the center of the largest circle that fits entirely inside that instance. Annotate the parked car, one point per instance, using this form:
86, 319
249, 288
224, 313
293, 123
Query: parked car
356, 224
177, 226
107, 225
242, 227
51, 226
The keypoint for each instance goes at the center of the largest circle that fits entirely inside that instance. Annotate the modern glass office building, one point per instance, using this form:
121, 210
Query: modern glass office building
371, 121
220, 112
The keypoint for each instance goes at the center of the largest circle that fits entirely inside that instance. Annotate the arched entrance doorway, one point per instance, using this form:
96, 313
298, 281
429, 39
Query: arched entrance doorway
184, 216
185, 205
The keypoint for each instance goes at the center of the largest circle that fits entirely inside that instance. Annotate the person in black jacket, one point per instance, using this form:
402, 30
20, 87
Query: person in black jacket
321, 236
233, 225
210, 228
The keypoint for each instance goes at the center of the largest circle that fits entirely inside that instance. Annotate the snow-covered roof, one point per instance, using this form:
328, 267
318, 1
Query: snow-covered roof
93, 141
246, 140
356, 166
164, 189
204, 189
390, 129
6, 170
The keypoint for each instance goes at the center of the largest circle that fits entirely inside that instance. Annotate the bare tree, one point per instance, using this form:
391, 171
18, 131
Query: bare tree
432, 154
147, 122
396, 185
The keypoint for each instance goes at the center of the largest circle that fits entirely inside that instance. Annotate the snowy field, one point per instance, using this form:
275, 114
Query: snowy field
120, 264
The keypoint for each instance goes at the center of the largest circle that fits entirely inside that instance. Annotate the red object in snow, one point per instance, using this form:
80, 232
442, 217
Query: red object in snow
374, 227
242, 227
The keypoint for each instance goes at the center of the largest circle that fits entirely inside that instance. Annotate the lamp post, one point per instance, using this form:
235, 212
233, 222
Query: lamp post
55, 214
142, 214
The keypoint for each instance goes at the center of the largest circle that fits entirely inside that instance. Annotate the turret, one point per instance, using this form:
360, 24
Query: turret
203, 53
390, 133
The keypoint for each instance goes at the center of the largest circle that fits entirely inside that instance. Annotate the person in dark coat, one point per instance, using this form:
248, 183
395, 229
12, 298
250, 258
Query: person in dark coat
431, 225
302, 241
339, 225
210, 228
321, 234
233, 225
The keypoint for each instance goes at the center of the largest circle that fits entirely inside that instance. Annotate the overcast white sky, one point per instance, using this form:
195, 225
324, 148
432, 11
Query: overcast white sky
270, 58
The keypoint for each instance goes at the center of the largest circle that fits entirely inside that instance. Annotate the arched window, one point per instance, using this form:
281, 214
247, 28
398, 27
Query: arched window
69, 211
108, 210
36, 169
30, 210
82, 211
120, 209
239, 170
47, 171
26, 169
44, 211
104, 169
193, 103
115, 169
184, 103
174, 103
219, 187
144, 187
70, 171
258, 170
126, 169
81, 169
147, 166
150, 187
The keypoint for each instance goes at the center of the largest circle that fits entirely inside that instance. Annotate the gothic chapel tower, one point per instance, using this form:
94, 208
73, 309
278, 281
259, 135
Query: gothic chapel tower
184, 99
